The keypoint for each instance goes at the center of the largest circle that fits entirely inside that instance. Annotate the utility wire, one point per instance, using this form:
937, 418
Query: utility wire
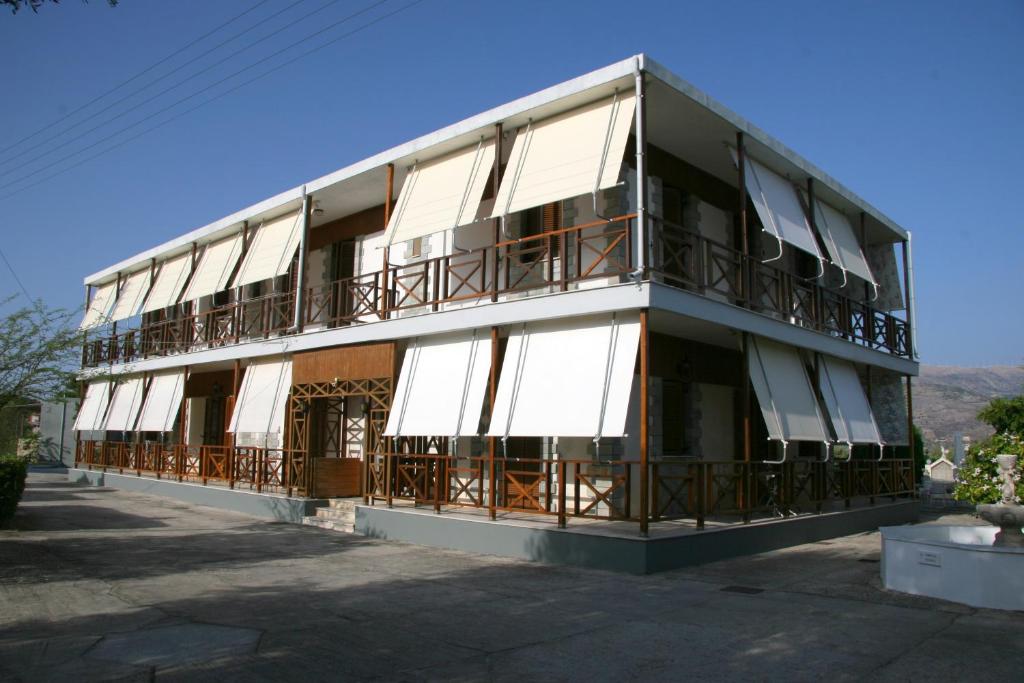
15, 275
188, 97
217, 97
136, 76
165, 90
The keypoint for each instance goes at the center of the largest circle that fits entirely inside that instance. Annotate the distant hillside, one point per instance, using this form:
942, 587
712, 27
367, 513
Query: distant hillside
947, 398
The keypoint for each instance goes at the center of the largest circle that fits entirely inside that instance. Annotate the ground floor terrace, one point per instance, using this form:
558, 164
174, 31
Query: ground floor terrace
626, 416
104, 584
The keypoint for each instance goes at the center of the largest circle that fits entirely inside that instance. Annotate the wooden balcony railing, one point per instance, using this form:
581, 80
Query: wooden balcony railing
551, 261
258, 469
688, 260
678, 489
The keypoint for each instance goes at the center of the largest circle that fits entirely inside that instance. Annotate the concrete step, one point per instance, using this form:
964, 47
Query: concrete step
337, 514
344, 503
329, 524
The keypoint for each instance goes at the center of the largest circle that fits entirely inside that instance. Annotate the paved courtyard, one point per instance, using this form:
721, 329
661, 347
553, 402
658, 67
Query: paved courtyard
98, 584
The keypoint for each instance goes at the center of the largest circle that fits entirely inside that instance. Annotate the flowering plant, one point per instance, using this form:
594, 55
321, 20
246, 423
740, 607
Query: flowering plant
978, 479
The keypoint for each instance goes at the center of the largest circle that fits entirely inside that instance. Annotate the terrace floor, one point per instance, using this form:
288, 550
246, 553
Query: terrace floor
106, 584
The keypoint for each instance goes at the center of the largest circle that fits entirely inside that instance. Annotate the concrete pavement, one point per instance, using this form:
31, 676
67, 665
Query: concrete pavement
99, 584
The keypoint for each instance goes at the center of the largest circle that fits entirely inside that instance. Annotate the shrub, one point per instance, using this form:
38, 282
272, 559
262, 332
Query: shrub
12, 483
977, 479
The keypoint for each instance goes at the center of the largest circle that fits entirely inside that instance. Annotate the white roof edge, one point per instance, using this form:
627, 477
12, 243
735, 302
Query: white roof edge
696, 94
553, 93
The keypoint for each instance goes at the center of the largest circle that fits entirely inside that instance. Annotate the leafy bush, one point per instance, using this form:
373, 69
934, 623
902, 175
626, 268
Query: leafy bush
12, 483
977, 480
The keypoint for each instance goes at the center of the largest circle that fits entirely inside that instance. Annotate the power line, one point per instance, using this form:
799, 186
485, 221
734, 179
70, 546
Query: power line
157, 80
217, 97
15, 275
136, 76
188, 97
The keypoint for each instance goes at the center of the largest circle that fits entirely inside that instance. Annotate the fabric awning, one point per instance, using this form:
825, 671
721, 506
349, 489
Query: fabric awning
578, 152
840, 241
272, 245
778, 206
441, 194
785, 393
133, 291
263, 398
442, 386
98, 311
213, 272
568, 378
94, 407
163, 400
124, 406
846, 403
170, 279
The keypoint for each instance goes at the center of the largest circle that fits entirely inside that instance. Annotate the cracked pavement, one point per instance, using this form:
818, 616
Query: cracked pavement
100, 584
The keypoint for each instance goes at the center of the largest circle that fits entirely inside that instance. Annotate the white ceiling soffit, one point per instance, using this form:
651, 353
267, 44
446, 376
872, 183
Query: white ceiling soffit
846, 402
441, 389
170, 279
578, 152
94, 407
778, 206
271, 248
568, 378
124, 406
263, 398
163, 400
133, 290
98, 310
442, 193
213, 272
843, 246
784, 392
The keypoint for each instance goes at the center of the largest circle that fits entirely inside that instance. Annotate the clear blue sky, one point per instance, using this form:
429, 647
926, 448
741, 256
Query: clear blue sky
916, 106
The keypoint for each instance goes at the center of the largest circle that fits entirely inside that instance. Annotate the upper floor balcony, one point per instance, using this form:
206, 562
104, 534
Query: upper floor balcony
622, 176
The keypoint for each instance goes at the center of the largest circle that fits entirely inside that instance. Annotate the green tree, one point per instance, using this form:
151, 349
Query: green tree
1005, 415
39, 351
16, 5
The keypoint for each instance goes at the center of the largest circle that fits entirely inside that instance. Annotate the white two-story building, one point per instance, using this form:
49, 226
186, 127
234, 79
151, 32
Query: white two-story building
613, 299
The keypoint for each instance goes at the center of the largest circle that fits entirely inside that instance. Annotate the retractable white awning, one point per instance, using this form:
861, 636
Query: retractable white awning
568, 378
263, 398
842, 244
124, 406
98, 311
163, 400
578, 152
271, 248
213, 272
94, 407
846, 402
170, 280
133, 290
778, 206
785, 393
442, 193
442, 386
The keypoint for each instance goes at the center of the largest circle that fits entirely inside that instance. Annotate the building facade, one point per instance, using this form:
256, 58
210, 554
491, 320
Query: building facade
611, 299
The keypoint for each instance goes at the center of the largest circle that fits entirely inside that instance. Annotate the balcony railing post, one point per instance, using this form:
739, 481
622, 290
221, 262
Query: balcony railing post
561, 493
701, 491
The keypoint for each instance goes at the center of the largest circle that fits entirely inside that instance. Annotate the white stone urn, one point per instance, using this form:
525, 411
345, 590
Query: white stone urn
1007, 514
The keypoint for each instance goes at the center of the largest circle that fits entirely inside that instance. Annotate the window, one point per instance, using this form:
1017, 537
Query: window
537, 221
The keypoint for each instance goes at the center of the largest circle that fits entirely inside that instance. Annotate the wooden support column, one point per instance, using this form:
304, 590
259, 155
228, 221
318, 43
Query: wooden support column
492, 442
908, 287
495, 184
644, 430
747, 399
389, 191
741, 165
911, 437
